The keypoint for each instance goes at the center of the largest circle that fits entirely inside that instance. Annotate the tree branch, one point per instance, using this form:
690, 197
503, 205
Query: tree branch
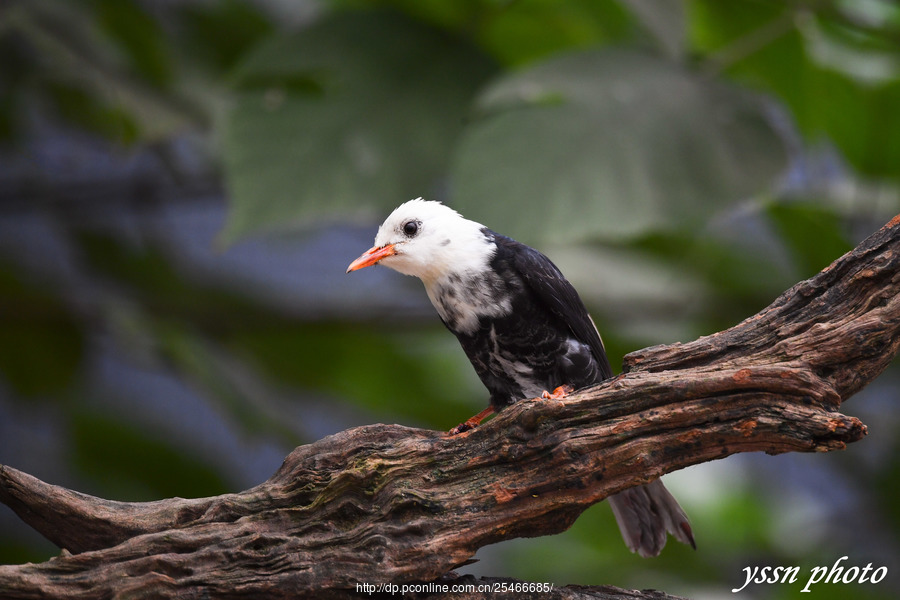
386, 503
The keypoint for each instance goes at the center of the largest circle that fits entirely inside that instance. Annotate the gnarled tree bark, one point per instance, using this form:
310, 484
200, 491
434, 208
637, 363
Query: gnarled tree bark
392, 504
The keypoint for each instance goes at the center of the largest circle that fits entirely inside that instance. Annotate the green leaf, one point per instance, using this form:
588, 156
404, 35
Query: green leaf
422, 375
92, 113
139, 36
41, 342
527, 30
862, 120
813, 233
223, 379
611, 144
459, 14
835, 74
151, 279
16, 72
665, 20
740, 278
198, 329
348, 117
110, 63
222, 32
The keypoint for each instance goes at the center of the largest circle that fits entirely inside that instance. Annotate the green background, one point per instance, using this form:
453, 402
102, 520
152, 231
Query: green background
182, 185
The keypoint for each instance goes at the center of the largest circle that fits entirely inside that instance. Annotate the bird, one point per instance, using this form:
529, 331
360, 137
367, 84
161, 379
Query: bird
523, 327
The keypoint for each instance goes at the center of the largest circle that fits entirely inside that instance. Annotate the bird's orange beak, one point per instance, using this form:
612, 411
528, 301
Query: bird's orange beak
372, 256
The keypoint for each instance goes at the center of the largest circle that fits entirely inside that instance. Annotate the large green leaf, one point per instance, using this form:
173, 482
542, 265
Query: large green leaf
611, 144
838, 72
354, 114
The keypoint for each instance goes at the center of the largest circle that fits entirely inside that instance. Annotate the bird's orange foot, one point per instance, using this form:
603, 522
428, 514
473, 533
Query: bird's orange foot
560, 392
472, 422
468, 425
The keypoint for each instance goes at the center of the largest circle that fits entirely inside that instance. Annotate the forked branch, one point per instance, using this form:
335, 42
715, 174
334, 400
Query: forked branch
385, 503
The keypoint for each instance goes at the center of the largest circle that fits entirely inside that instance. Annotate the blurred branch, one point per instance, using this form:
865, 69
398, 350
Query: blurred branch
886, 30
751, 43
799, 15
385, 503
68, 48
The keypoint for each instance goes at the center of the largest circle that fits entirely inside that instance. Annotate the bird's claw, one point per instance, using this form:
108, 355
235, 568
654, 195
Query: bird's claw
462, 427
560, 392
472, 422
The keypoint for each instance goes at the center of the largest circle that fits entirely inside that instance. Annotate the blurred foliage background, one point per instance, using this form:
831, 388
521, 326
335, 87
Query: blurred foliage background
183, 182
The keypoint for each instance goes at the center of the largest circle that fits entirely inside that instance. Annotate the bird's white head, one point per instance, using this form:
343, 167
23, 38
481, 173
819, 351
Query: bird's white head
428, 240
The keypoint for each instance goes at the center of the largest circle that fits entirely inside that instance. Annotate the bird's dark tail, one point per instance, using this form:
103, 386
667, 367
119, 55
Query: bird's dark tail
645, 513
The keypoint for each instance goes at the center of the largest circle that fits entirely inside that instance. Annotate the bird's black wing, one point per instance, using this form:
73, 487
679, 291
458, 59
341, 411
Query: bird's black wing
549, 285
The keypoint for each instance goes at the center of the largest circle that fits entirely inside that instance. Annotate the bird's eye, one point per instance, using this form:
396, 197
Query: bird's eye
411, 228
